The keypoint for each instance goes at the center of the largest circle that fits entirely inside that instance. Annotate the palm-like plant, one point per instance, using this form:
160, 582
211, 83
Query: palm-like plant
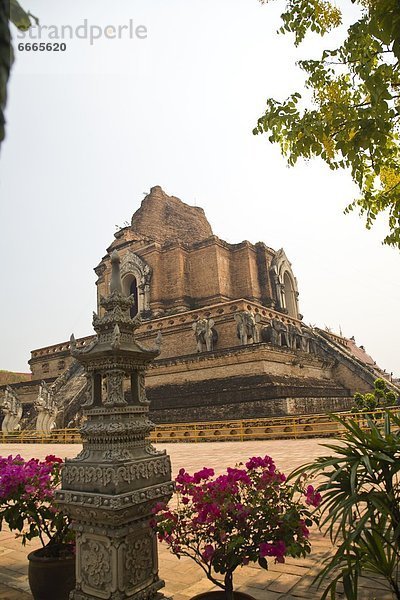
360, 506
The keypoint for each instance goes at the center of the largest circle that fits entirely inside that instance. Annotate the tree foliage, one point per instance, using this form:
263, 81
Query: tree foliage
10, 11
381, 397
352, 120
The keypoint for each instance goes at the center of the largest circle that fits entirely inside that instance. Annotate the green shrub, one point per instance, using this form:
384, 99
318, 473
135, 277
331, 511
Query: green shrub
381, 397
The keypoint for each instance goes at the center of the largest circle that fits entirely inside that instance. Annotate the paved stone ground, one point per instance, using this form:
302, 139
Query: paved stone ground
183, 578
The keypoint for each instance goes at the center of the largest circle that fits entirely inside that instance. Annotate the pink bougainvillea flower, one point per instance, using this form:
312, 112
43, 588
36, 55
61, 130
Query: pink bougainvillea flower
204, 473
277, 549
313, 498
53, 459
208, 553
304, 531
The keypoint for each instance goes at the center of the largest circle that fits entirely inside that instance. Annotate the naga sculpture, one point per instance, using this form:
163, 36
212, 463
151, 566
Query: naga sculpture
12, 410
46, 409
206, 335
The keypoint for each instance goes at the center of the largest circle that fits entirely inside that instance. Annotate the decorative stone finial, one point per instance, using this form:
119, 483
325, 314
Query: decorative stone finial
116, 284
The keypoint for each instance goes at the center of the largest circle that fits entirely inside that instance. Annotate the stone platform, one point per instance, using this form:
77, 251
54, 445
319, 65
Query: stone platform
183, 578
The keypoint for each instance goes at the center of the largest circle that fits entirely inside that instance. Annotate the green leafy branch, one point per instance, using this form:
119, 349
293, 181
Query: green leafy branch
352, 121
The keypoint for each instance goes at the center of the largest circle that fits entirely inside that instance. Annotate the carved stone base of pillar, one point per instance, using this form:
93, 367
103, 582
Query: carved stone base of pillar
75, 595
151, 593
116, 566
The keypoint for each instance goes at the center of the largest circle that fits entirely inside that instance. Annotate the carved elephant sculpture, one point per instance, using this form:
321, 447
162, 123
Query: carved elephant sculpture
283, 334
269, 335
276, 333
246, 327
294, 337
308, 341
206, 335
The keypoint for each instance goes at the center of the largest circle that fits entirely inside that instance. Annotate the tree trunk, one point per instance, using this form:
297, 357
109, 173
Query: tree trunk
229, 585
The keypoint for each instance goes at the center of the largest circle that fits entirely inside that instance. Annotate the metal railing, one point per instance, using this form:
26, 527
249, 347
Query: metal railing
302, 426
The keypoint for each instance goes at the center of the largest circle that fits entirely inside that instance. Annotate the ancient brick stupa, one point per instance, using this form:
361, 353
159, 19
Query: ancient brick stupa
110, 488
233, 343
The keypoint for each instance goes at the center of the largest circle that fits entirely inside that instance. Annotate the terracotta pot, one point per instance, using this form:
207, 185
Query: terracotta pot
221, 596
50, 577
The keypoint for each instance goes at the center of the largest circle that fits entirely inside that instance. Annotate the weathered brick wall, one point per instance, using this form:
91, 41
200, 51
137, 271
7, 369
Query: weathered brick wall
253, 360
355, 379
162, 218
258, 409
51, 361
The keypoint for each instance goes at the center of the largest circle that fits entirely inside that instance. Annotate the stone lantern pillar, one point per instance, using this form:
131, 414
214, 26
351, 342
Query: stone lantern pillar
110, 488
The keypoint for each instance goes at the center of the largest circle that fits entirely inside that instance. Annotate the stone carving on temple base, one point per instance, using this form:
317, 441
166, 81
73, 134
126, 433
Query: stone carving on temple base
96, 572
294, 337
46, 409
206, 334
276, 333
247, 327
282, 332
308, 341
111, 487
12, 409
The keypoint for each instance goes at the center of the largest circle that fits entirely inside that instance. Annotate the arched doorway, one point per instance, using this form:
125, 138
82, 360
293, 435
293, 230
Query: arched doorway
136, 275
289, 293
130, 287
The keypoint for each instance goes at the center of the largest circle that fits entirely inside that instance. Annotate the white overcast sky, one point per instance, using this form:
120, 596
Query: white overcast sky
91, 129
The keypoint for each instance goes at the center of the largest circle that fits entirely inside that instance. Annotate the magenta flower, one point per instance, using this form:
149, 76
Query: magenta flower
303, 529
277, 549
53, 459
313, 497
208, 553
158, 507
203, 474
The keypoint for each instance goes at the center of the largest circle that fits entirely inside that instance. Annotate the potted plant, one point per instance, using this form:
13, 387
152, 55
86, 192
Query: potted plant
27, 506
248, 514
